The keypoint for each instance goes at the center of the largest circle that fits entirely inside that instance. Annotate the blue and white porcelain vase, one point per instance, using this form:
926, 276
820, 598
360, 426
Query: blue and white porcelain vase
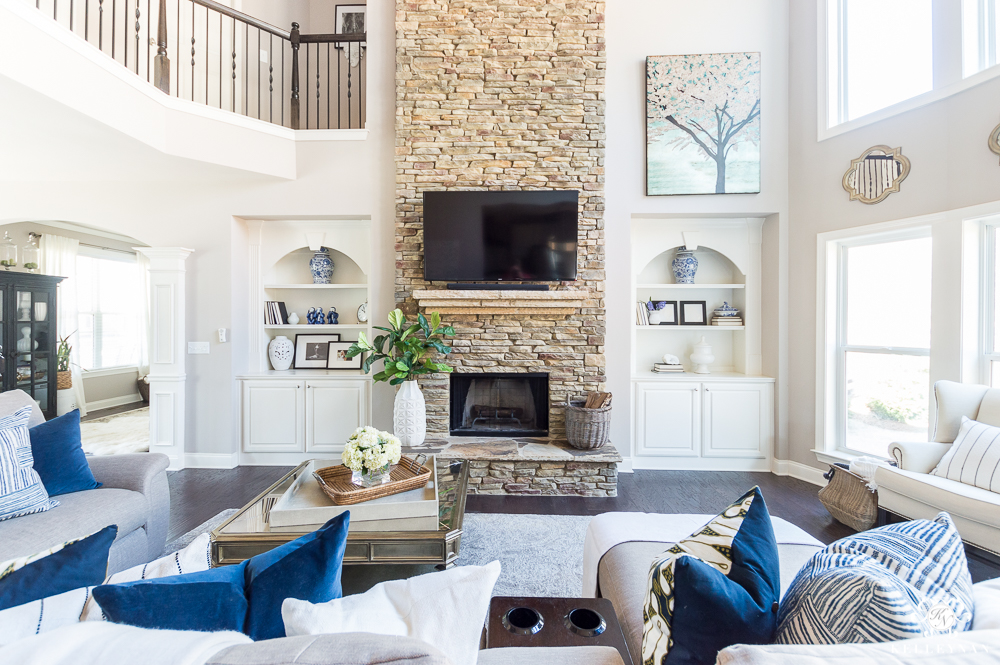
685, 266
726, 311
321, 266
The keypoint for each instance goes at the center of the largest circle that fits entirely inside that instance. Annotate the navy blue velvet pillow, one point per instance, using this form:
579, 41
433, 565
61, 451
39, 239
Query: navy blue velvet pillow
717, 587
306, 569
74, 565
207, 601
59, 457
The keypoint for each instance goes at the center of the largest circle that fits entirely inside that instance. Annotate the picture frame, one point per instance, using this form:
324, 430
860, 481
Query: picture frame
312, 350
668, 312
351, 19
336, 356
694, 313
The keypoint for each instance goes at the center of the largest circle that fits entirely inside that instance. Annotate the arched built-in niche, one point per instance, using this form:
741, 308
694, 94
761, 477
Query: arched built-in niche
714, 267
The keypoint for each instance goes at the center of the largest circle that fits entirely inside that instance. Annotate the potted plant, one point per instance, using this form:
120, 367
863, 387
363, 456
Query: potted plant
64, 378
407, 356
370, 453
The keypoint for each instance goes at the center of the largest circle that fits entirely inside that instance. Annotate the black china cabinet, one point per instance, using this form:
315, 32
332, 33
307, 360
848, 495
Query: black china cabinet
29, 336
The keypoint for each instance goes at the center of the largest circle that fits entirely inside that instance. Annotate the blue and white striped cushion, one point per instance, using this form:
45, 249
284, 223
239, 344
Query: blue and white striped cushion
896, 582
21, 490
974, 457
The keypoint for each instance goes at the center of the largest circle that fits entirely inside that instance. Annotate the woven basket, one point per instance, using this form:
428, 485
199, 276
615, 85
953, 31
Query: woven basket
64, 380
849, 500
587, 429
335, 481
143, 385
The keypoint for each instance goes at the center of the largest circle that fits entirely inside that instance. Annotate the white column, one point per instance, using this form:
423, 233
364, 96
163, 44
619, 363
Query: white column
166, 351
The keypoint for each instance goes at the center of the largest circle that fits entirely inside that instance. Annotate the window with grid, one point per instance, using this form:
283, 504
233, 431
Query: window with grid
883, 340
109, 305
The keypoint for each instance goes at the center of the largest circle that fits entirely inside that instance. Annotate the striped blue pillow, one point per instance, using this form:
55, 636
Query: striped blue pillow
21, 490
892, 583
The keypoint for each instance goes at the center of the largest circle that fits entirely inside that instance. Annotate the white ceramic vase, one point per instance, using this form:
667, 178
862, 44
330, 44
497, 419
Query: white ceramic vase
702, 357
281, 351
409, 415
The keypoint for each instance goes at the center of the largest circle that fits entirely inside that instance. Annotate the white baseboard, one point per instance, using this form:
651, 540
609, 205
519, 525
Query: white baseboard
625, 466
211, 460
810, 474
113, 401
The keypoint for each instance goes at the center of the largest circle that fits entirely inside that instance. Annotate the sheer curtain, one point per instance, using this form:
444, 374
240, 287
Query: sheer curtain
142, 262
59, 258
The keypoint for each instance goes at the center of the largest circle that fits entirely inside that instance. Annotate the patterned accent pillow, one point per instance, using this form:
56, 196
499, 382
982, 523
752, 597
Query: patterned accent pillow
891, 583
21, 490
717, 587
974, 457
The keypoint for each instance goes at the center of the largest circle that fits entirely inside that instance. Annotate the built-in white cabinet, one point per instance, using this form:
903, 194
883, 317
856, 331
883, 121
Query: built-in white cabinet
299, 415
705, 424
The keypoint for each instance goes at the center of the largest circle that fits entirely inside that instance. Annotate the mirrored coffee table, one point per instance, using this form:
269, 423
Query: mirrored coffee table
248, 533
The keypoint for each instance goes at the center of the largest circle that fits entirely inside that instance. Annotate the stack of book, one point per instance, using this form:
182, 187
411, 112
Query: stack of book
641, 314
275, 313
664, 368
727, 320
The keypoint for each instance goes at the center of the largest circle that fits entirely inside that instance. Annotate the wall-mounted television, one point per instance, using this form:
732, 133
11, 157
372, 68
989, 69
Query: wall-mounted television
500, 236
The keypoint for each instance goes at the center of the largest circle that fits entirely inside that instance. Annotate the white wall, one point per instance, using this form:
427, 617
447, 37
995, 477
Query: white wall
951, 168
639, 28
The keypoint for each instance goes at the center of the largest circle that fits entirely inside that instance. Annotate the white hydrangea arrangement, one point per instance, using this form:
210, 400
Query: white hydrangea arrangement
369, 450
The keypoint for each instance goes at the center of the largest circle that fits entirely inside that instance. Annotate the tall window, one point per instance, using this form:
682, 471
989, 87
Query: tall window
991, 307
880, 53
980, 27
883, 341
109, 304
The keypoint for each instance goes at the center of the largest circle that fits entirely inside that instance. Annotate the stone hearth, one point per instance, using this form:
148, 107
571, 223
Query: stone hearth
528, 466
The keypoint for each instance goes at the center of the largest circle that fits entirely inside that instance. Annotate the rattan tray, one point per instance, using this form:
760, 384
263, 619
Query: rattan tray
335, 481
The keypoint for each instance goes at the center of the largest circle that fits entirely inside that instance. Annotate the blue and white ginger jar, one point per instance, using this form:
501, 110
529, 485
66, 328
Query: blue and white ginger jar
726, 310
685, 266
321, 266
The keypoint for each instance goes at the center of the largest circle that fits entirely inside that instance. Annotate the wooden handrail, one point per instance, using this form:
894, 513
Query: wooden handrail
329, 39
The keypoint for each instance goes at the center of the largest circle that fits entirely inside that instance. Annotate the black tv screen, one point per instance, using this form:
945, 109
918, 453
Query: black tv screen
500, 236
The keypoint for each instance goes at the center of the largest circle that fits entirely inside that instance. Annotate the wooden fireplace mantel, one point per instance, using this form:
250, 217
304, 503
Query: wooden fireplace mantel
501, 302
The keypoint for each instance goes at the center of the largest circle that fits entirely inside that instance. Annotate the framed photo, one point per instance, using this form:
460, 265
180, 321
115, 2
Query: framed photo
694, 313
337, 356
666, 312
351, 19
313, 351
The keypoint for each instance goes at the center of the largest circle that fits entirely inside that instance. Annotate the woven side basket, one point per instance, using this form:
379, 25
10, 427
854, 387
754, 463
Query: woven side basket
587, 429
64, 380
849, 500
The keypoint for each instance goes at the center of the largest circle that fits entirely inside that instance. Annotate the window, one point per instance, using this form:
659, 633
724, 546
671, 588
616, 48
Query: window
109, 306
868, 39
980, 25
991, 306
882, 357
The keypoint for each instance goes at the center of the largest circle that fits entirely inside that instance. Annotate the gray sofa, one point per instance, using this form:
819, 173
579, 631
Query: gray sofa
135, 496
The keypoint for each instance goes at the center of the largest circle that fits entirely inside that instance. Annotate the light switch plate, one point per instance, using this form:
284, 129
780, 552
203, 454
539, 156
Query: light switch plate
198, 347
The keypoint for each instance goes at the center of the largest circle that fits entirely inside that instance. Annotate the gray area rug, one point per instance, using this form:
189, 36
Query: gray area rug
540, 555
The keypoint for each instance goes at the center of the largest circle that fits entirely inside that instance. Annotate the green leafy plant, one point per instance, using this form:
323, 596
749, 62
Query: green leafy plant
63, 350
405, 349
883, 411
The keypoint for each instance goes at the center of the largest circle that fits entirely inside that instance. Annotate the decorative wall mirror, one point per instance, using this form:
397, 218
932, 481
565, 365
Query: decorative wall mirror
876, 174
995, 140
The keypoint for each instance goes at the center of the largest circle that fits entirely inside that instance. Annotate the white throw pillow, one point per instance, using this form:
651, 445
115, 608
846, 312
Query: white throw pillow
447, 610
987, 598
41, 616
974, 457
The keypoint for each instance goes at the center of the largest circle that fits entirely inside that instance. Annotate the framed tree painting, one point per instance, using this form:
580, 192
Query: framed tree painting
703, 124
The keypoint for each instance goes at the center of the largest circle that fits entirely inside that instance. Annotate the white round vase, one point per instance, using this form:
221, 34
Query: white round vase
281, 351
409, 415
702, 357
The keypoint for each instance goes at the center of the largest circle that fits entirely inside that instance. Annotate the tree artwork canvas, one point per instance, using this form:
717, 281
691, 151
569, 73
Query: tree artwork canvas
703, 124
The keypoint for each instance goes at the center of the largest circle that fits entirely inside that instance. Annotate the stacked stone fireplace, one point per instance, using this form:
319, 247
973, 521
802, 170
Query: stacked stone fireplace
497, 95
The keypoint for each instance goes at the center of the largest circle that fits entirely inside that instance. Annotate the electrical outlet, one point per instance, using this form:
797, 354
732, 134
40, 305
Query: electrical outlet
263, 56
222, 335
198, 347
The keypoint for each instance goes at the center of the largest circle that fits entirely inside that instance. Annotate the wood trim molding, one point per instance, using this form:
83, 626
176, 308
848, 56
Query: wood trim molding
506, 301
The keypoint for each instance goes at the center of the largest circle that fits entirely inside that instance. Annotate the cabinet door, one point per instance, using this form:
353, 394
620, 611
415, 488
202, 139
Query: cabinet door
736, 419
334, 409
273, 416
667, 419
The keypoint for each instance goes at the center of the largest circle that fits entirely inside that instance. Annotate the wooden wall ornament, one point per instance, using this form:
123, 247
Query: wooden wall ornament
876, 174
994, 140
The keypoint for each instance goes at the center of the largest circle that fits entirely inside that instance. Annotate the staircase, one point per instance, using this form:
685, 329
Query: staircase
236, 63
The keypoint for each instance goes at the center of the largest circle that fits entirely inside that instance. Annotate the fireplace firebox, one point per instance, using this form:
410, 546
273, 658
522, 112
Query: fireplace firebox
497, 404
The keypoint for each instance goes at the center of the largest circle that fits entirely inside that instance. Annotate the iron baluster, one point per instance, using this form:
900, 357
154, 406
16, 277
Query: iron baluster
234, 65
192, 51
270, 78
206, 55
137, 26
55, 10
317, 86
339, 58
149, 39
86, 20
177, 50
220, 61
125, 32
328, 85
307, 86
246, 69
161, 68
100, 24
70, 14
113, 12
282, 96
258, 73
294, 107
349, 123
361, 81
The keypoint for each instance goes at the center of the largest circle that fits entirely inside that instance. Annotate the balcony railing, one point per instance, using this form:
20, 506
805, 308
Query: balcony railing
235, 62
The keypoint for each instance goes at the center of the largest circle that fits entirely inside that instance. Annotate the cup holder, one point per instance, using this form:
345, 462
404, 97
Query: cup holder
586, 623
522, 621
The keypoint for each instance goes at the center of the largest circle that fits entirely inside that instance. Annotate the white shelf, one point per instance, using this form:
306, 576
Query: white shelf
704, 378
671, 327
690, 286
315, 286
321, 326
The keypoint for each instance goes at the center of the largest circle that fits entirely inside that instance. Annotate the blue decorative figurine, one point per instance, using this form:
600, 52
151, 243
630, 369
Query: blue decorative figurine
311, 315
332, 316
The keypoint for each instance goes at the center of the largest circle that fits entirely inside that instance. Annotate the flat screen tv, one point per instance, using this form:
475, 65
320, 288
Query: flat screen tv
500, 236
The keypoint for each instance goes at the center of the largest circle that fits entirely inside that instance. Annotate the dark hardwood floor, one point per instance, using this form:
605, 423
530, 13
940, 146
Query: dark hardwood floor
197, 495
